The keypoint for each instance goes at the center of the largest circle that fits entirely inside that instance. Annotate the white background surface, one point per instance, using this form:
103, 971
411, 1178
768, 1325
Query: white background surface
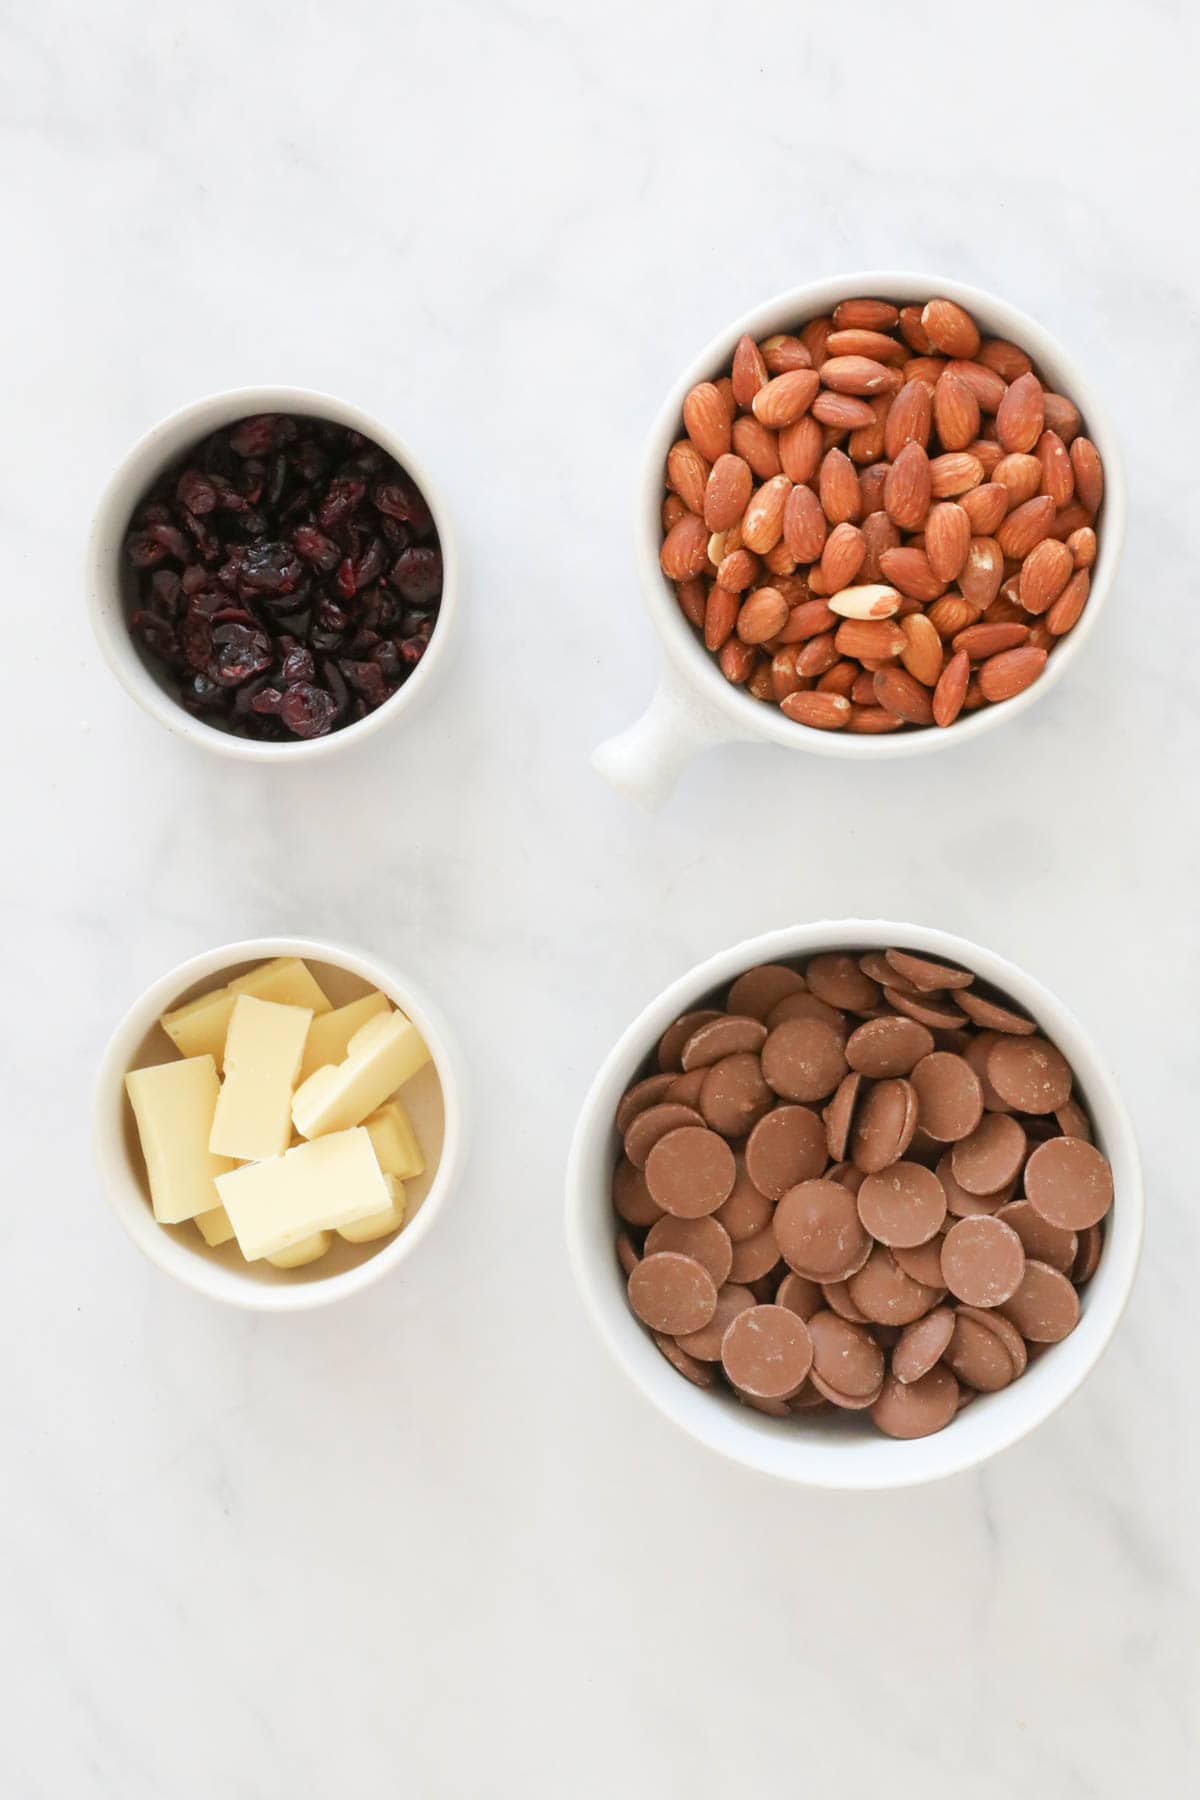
429, 1542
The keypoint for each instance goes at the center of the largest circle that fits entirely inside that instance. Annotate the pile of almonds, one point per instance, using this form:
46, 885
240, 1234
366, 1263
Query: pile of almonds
883, 520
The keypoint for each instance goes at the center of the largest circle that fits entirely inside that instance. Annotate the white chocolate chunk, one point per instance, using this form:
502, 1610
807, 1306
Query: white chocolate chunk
215, 1227
329, 1036
262, 1060
306, 1251
382, 1055
395, 1141
288, 981
200, 1027
173, 1105
380, 1224
321, 1186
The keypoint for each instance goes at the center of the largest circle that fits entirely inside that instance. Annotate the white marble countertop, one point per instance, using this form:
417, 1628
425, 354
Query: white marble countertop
429, 1542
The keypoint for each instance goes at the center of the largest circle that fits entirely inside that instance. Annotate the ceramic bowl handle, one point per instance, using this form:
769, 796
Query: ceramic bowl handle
645, 762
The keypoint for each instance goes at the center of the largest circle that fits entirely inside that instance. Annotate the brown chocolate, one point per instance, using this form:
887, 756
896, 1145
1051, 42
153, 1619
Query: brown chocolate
1048, 1243
747, 1211
767, 1352
839, 1115
641, 1095
1030, 1074
734, 1095
983, 1261
916, 1409
922, 1344
837, 978
726, 1035
847, 1365
990, 1157
670, 1044
949, 1097
819, 1232
787, 1146
883, 1293
1045, 1308
705, 1344
693, 1371
672, 1293
646, 1129
1069, 1183
923, 973
690, 1172
884, 1122
888, 1046
802, 1059
903, 1205
702, 1239
757, 991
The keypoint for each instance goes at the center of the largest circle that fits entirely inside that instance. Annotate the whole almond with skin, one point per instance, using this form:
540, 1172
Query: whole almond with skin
706, 420
954, 473
951, 614
1041, 637
842, 557
1082, 545
816, 656
763, 613
727, 492
749, 372
877, 600
814, 336
784, 679
982, 572
794, 588
862, 693
975, 696
1045, 572
869, 721
925, 369
1009, 362
979, 641
1067, 610
1020, 416
913, 332
1006, 608
955, 411
857, 375
877, 640
720, 617
804, 525
693, 597
879, 534
838, 489
909, 570
1089, 473
1020, 476
808, 620
871, 483
950, 328
756, 446
673, 510
909, 419
762, 521
985, 506
685, 549
687, 473
865, 315
862, 342
987, 453
724, 387
951, 689
736, 660
760, 683
988, 388
866, 443
923, 654
1062, 416
947, 539
1058, 477
1004, 676
840, 679
1026, 526
824, 712
786, 398
842, 411
800, 448
779, 559
782, 353
737, 570
908, 487
898, 693
1071, 519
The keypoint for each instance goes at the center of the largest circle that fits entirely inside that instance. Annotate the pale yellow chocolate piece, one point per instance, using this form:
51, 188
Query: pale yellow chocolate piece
329, 1036
308, 1250
382, 1055
380, 1224
215, 1227
262, 1060
200, 1027
395, 1141
321, 1186
173, 1105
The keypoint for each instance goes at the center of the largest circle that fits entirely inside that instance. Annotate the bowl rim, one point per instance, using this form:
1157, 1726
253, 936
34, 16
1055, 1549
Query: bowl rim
141, 464
766, 1445
127, 1201
997, 317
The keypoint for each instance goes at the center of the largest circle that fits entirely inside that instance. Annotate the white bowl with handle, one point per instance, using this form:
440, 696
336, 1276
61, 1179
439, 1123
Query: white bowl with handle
843, 1450
694, 707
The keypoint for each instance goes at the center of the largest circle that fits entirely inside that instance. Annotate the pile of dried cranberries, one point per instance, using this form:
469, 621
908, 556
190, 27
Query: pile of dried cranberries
289, 577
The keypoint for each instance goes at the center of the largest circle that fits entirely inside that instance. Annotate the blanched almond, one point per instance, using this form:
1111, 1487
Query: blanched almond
873, 601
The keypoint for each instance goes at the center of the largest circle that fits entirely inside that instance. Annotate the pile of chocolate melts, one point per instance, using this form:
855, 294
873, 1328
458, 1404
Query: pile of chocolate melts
866, 1183
289, 577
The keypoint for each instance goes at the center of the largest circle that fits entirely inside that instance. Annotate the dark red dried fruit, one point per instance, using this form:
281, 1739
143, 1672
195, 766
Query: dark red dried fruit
308, 711
418, 575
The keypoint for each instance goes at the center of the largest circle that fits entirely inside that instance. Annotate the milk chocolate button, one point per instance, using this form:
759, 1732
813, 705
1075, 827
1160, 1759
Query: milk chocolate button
653, 1124
627, 1254
964, 1205
767, 1352
837, 979
922, 1344
1030, 1074
802, 1060
786, 1146
1048, 1243
754, 1257
702, 1239
889, 1046
734, 1095
836, 1296
884, 1121
924, 1263
847, 1365
807, 1006
903, 1205
979, 1352
949, 1097
1072, 1121
983, 1261
876, 965
723, 1036
1069, 1182
978, 1049
1045, 1308
923, 973
883, 1293
705, 1344
990, 1157
747, 1211
641, 1095
758, 990
819, 1232
800, 1295
917, 1409
992, 1016
1091, 1242
670, 1044
934, 1010
847, 1174
687, 1365
686, 1088
839, 1115
690, 1172
631, 1197
672, 1293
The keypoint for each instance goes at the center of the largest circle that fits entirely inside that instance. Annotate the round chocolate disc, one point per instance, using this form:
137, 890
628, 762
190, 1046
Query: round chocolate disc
802, 1060
935, 1010
916, 1409
977, 1051
703, 1239
949, 1097
734, 1095
990, 1157
705, 1344
968, 1206
1048, 1243
836, 1296
983, 1261
923, 973
884, 1121
991, 1015
819, 1232
646, 1129
1091, 1243
924, 1263
883, 1293
808, 1006
754, 1257
694, 1371
672, 1293
767, 1352
686, 1088
847, 1365
922, 1344
839, 1115
627, 1254
889, 1046
800, 1295
1030, 1074
980, 1355
631, 1197
690, 1172
670, 1044
785, 1147
903, 1205
757, 991
1045, 1308
837, 979
725, 1035
1069, 1182
747, 1211
637, 1098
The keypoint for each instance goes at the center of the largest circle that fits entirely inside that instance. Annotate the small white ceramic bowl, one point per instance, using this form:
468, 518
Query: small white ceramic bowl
433, 1098
111, 582
841, 1451
694, 706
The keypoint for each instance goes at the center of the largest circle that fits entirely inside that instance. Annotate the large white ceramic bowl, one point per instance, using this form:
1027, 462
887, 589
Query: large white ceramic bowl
842, 1450
433, 1098
694, 706
111, 583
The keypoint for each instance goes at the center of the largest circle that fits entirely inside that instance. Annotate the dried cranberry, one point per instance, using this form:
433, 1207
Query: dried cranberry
157, 635
307, 711
254, 437
401, 499
196, 638
166, 593
387, 657
411, 650
143, 550
298, 666
366, 678
418, 574
267, 700
316, 548
342, 498
270, 568
239, 653
346, 585
369, 566
196, 492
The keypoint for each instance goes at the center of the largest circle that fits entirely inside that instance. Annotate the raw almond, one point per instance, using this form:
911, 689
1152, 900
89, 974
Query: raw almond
1071, 519
763, 613
863, 691
869, 721
842, 411
693, 597
825, 712
673, 510
779, 559
737, 570
749, 372
724, 387
859, 341
925, 369
685, 549
1020, 416
858, 375
909, 570
814, 336
760, 683
727, 492
1062, 416
1010, 673
808, 620
720, 617
954, 474
784, 679
756, 446
707, 421
907, 490
912, 330
762, 521
736, 660
687, 473
804, 525
816, 656
864, 315
879, 534
987, 453
1089, 473
1020, 477
801, 447
842, 557
1026, 526
985, 506
950, 328
981, 574
1045, 572
866, 443
1058, 477
871, 483
909, 419
951, 614
840, 679
923, 654
947, 538
837, 486
782, 353
951, 689
876, 600
878, 640
988, 387
899, 693
988, 640
1067, 610
1009, 362
955, 411
786, 398
1081, 544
